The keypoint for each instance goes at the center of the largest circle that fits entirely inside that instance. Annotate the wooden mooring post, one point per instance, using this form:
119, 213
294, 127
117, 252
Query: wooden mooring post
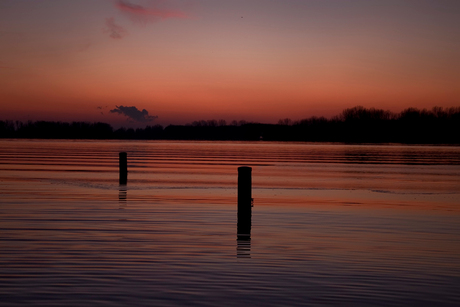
244, 203
123, 168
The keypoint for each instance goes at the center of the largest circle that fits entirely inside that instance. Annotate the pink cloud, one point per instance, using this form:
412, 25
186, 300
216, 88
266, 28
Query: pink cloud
143, 15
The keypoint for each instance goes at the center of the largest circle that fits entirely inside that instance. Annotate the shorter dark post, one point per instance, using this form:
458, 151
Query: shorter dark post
123, 168
244, 203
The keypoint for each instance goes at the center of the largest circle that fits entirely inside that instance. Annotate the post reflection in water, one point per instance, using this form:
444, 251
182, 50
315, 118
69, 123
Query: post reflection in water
243, 247
122, 195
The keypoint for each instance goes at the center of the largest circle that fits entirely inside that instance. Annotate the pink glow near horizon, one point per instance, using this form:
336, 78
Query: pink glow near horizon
252, 60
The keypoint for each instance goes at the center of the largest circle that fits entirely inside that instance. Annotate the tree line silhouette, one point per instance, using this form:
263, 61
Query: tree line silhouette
354, 125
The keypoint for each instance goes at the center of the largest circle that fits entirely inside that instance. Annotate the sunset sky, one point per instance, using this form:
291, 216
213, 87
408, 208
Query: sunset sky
254, 60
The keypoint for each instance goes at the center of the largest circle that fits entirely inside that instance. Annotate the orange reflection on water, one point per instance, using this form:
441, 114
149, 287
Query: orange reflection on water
325, 218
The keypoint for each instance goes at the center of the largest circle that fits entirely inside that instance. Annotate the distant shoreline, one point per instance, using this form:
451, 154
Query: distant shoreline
356, 125
242, 141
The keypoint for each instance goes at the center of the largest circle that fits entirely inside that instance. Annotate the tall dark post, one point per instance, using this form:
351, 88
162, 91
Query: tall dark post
244, 203
123, 168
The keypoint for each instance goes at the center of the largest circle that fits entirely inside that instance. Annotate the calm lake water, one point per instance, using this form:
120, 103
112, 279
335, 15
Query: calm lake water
338, 225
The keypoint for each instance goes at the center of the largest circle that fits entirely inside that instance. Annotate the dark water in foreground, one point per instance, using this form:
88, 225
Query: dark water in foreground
332, 225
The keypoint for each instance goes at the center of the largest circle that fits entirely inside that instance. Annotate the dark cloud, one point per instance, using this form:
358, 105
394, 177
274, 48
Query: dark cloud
134, 114
115, 31
143, 15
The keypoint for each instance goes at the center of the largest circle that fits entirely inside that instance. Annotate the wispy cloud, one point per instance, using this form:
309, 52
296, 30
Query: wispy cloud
101, 109
113, 29
143, 15
134, 114
85, 46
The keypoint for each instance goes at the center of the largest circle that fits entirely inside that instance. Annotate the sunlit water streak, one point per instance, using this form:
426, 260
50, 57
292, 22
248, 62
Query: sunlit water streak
332, 224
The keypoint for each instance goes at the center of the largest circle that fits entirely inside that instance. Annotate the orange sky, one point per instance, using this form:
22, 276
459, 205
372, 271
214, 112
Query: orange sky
253, 60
